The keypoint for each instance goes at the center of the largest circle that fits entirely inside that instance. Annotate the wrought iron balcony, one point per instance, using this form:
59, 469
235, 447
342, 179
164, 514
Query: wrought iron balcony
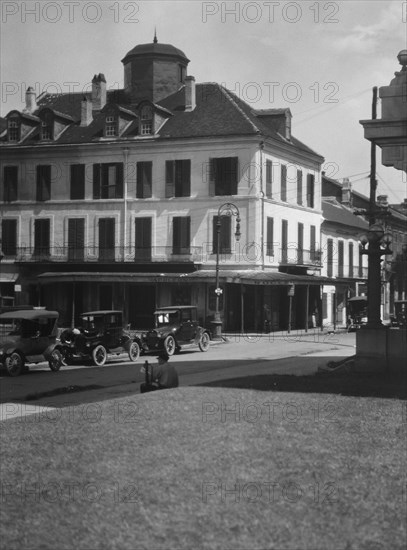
299, 256
88, 254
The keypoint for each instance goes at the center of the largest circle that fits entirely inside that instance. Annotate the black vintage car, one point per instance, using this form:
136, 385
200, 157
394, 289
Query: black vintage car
176, 328
100, 333
29, 336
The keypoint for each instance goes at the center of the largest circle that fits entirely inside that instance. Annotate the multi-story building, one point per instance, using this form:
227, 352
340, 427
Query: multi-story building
341, 231
110, 199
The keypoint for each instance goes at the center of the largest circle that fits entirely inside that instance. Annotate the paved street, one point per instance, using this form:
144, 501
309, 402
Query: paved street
298, 354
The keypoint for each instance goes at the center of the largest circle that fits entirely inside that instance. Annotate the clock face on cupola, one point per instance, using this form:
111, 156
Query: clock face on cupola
153, 71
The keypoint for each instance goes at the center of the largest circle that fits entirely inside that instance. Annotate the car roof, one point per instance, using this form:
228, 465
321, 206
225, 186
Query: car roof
174, 308
358, 299
101, 312
30, 314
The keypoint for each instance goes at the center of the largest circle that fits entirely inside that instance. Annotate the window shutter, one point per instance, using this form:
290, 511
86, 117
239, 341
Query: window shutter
310, 190
283, 194
299, 187
147, 187
9, 237
169, 178
269, 180
96, 181
186, 177
119, 180
270, 236
212, 177
234, 171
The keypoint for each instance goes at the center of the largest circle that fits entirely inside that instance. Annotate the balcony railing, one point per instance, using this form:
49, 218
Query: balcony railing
299, 256
117, 254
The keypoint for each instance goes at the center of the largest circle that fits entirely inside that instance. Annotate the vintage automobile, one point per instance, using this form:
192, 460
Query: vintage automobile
357, 312
29, 336
176, 328
399, 319
100, 333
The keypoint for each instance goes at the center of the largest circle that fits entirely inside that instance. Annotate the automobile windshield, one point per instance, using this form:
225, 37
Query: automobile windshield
92, 323
166, 318
10, 327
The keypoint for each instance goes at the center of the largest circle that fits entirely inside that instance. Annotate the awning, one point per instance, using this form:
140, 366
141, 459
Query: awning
255, 277
8, 277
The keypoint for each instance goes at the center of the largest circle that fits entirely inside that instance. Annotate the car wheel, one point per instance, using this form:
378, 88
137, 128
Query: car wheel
170, 345
99, 355
55, 362
14, 364
134, 351
204, 342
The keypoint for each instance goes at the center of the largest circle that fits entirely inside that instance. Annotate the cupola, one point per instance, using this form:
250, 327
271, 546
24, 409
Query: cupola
153, 71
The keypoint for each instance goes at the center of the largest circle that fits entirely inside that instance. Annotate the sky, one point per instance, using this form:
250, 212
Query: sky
320, 59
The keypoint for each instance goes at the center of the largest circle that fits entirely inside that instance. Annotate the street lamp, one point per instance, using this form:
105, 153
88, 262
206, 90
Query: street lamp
372, 246
227, 209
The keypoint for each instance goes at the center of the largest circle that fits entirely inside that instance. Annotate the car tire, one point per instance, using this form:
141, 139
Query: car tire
134, 351
99, 355
14, 364
55, 362
204, 341
169, 345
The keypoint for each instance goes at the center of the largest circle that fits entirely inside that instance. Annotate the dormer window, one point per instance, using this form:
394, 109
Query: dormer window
14, 130
47, 126
146, 127
111, 126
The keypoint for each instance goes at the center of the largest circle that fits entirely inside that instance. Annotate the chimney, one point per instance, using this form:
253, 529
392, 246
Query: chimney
288, 117
190, 95
86, 112
346, 192
30, 101
382, 201
98, 92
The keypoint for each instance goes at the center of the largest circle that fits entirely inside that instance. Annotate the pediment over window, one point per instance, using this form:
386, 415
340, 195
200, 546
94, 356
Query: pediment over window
117, 120
152, 117
52, 124
20, 125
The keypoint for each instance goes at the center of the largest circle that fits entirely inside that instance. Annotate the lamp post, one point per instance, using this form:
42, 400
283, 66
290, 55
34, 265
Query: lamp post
372, 246
227, 209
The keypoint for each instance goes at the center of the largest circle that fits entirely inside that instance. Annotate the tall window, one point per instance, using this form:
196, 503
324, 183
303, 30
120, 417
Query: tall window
42, 237
43, 182
77, 191
10, 183
269, 179
330, 257
270, 237
110, 126
76, 238
224, 235
178, 178
47, 124
283, 195
313, 244
106, 239
144, 188
300, 247
14, 129
143, 239
181, 236
9, 237
340, 258
108, 181
284, 241
350, 252
223, 176
146, 125
299, 186
310, 190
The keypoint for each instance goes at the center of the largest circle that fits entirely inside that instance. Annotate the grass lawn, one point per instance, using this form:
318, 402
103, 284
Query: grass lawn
208, 468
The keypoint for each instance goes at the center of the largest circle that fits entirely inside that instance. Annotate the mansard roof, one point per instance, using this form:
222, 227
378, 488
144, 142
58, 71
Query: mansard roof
218, 113
337, 213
